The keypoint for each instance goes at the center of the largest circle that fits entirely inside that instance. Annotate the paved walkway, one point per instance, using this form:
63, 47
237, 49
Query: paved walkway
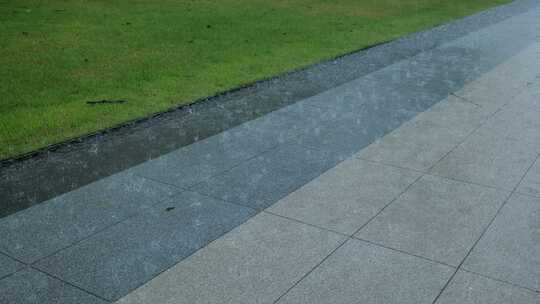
418, 183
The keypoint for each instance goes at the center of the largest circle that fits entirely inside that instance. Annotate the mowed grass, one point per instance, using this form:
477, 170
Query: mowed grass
56, 55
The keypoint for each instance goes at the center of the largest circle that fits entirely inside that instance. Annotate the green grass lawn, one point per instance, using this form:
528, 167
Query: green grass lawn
56, 55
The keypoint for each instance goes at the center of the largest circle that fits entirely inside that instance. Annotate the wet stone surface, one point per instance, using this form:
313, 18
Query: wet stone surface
79, 163
175, 220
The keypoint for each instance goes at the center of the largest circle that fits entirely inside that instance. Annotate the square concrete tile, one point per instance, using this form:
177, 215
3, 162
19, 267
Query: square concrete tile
121, 258
349, 98
346, 196
404, 89
195, 163
268, 131
510, 249
493, 155
519, 121
351, 122
421, 142
41, 230
30, 286
341, 140
255, 263
309, 117
492, 40
413, 84
348, 134
369, 108
454, 113
468, 288
345, 124
8, 265
492, 90
432, 75
200, 161
335, 130
500, 85
263, 180
363, 273
530, 185
522, 116
436, 218
343, 98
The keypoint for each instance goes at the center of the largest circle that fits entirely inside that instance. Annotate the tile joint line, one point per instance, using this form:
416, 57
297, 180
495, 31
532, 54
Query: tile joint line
485, 229
71, 284
465, 99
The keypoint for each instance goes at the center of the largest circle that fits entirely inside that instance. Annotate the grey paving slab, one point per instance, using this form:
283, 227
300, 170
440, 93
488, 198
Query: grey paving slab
255, 263
362, 273
386, 98
527, 100
364, 111
497, 154
526, 126
379, 102
39, 231
373, 105
493, 40
333, 130
421, 142
345, 123
500, 85
530, 185
519, 118
267, 131
265, 179
468, 288
350, 132
117, 260
421, 148
360, 97
342, 140
436, 218
510, 249
346, 196
522, 31
433, 74
8, 265
201, 160
30, 286
413, 84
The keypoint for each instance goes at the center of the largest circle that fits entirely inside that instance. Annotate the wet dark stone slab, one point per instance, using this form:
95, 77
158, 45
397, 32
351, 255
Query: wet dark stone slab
263, 180
39, 231
30, 286
8, 266
125, 256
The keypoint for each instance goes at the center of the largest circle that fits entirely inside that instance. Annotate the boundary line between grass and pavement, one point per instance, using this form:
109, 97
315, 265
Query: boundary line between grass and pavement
37, 176
266, 80
185, 107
